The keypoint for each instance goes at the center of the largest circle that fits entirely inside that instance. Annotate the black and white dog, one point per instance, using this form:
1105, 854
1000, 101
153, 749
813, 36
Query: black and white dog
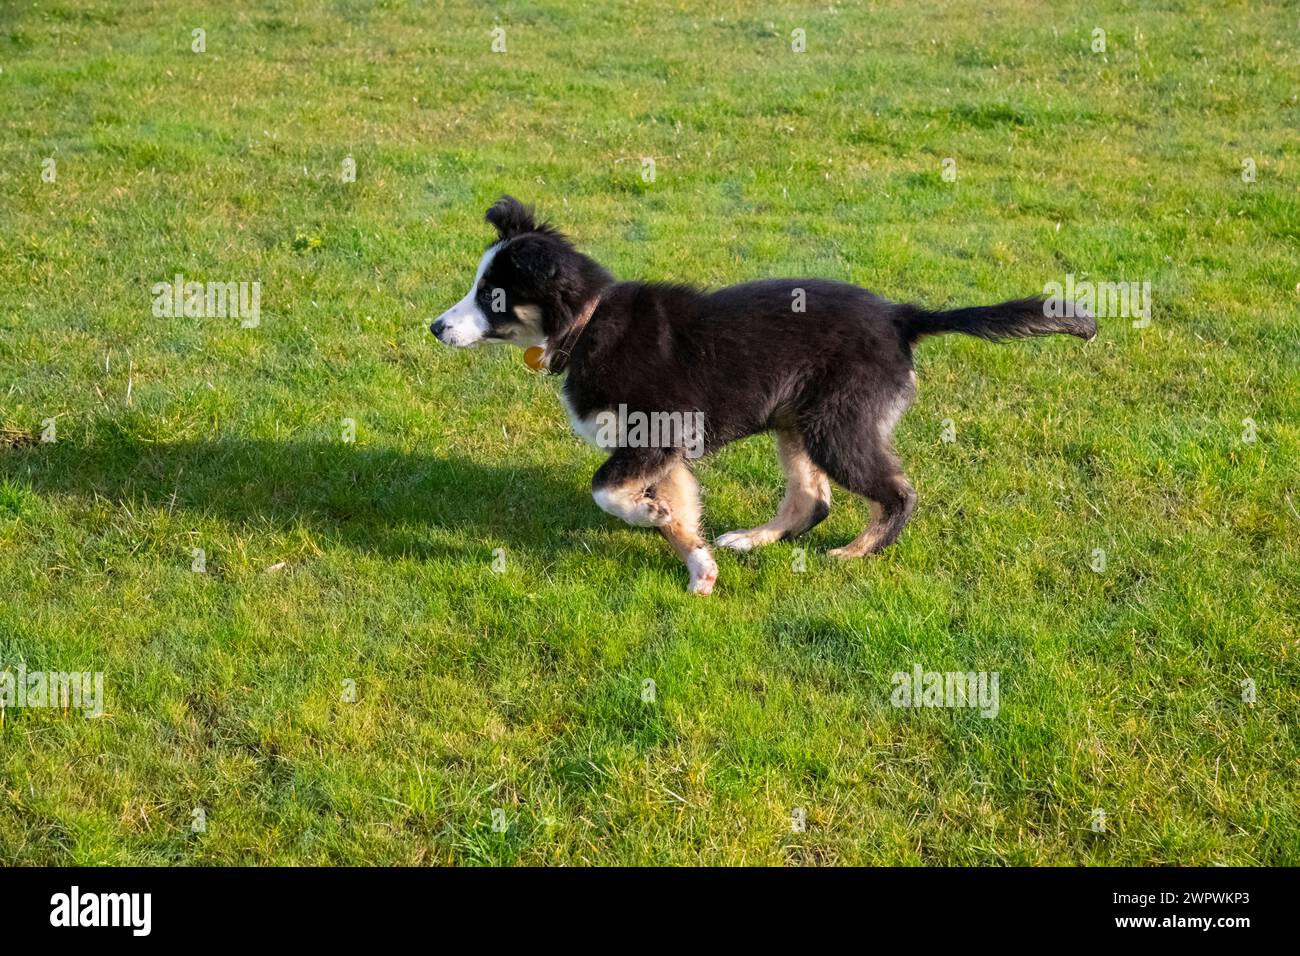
825, 365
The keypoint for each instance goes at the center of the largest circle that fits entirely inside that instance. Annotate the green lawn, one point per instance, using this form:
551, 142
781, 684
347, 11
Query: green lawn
363, 569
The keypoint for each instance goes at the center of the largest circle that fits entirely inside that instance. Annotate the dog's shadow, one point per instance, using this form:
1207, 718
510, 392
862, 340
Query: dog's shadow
371, 499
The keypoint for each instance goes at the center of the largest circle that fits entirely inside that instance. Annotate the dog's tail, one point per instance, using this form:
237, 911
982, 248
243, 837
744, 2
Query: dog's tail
1017, 318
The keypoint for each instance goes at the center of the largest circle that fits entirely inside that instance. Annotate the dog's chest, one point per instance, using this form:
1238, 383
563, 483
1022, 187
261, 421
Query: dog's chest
587, 428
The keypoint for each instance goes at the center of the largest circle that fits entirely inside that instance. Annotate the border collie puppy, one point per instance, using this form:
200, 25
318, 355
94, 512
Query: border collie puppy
825, 365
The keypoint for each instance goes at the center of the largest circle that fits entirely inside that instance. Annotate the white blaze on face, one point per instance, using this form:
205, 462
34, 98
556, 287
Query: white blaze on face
464, 324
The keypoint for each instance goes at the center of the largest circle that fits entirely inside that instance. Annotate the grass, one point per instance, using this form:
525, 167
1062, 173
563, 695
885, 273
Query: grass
366, 565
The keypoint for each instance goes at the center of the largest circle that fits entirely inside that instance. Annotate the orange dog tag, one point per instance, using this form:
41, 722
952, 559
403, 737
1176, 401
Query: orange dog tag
533, 358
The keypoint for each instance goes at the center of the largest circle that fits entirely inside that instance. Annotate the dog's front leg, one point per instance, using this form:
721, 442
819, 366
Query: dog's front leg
649, 488
682, 492
622, 486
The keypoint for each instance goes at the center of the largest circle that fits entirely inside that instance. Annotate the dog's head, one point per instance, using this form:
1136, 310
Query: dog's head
529, 285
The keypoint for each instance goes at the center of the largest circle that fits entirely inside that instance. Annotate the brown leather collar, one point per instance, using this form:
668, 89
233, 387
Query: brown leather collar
556, 359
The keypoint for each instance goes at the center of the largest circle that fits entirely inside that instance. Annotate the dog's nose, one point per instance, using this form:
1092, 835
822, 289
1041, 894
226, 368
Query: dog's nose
438, 326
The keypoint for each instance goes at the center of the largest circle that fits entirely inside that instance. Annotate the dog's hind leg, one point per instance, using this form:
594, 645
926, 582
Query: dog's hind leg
806, 503
856, 452
892, 502
650, 487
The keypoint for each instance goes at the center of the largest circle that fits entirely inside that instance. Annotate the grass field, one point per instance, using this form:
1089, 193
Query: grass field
350, 681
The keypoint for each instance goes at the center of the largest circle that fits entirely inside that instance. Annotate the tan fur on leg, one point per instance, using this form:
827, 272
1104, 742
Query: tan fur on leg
886, 523
807, 498
864, 543
632, 504
681, 492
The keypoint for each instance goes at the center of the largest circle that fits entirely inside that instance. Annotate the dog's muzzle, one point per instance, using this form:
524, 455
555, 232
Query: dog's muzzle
460, 326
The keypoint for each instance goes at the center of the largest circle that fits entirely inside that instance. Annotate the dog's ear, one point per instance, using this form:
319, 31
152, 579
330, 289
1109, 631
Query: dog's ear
535, 259
511, 217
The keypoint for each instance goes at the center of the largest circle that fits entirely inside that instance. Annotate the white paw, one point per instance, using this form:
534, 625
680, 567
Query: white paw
736, 541
704, 571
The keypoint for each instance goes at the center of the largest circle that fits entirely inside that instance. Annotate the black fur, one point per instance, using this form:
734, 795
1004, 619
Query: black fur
1017, 318
837, 374
511, 217
751, 364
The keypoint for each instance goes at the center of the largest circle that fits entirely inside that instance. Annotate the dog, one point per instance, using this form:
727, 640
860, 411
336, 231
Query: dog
825, 365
